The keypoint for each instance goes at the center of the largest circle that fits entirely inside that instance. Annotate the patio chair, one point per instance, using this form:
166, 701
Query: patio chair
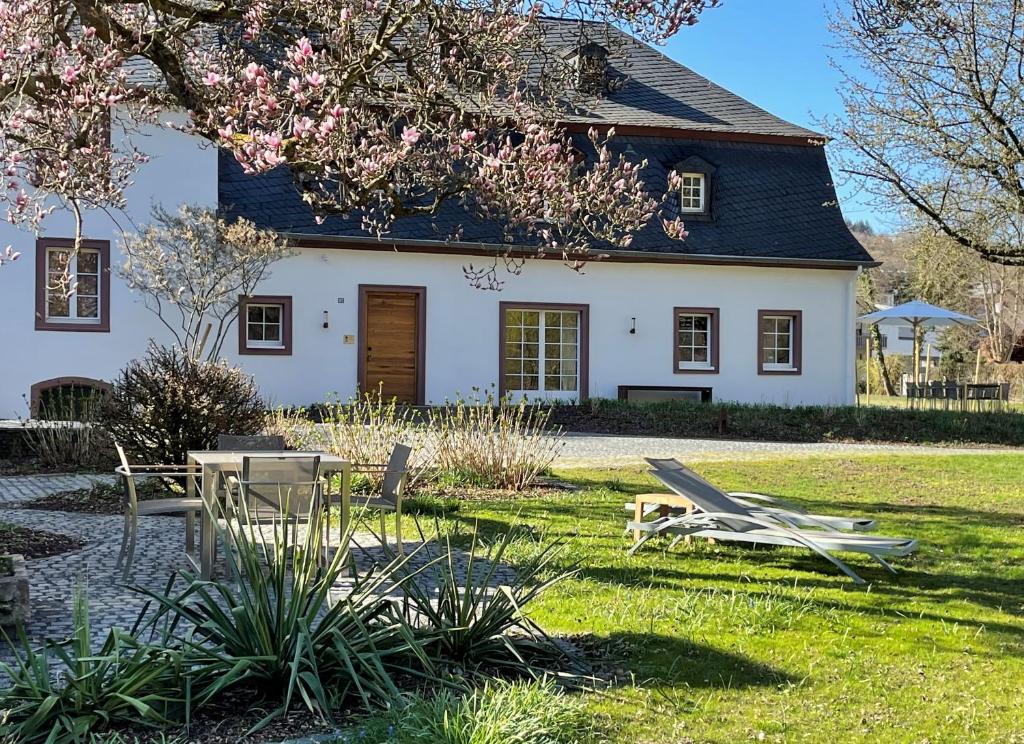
395, 475
133, 508
717, 516
787, 512
244, 443
279, 486
250, 443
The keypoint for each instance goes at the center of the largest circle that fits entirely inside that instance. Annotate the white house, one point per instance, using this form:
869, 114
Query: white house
757, 304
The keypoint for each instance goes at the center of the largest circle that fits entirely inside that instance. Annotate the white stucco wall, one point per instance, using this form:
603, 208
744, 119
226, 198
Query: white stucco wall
180, 170
462, 322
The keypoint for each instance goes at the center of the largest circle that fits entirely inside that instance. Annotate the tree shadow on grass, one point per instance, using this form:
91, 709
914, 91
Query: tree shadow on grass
657, 660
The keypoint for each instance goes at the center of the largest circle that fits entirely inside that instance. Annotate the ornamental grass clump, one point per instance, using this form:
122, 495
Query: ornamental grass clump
493, 443
275, 625
169, 402
122, 682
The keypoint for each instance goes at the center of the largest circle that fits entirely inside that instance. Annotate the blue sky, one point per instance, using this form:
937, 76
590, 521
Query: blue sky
774, 54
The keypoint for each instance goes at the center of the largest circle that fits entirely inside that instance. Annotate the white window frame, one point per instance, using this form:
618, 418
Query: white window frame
543, 316
263, 344
709, 363
73, 294
779, 366
698, 181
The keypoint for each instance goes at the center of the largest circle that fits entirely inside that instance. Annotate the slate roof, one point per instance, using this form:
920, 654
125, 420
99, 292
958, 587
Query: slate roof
768, 200
660, 92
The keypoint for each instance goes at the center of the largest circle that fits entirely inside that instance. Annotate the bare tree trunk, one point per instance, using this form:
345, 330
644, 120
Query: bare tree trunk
876, 334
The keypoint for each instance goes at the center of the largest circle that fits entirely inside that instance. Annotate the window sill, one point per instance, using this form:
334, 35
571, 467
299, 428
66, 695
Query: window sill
66, 324
266, 350
697, 370
778, 371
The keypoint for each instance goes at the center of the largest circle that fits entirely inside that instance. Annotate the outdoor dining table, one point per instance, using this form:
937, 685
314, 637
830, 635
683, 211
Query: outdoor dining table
215, 462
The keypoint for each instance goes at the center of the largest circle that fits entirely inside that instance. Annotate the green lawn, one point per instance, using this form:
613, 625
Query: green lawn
724, 644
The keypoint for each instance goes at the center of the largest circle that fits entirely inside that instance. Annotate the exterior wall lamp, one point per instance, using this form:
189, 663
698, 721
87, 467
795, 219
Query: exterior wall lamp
326, 322
632, 328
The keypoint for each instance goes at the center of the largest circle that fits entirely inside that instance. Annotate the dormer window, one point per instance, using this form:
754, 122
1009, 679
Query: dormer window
695, 193
692, 194
591, 63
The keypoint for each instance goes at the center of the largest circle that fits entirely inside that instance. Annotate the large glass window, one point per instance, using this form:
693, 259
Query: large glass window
542, 351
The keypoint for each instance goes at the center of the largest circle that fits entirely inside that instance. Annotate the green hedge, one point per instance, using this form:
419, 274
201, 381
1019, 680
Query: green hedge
791, 424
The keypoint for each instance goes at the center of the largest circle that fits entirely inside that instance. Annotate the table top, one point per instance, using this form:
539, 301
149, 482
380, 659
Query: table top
224, 457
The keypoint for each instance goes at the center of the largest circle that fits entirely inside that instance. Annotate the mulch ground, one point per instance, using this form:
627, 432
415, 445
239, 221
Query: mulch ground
100, 499
228, 721
35, 543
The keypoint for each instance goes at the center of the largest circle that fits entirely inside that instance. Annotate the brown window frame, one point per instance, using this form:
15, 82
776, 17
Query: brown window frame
43, 246
583, 362
285, 301
714, 314
796, 333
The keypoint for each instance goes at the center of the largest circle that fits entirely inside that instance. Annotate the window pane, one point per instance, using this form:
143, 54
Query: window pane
700, 339
88, 307
782, 356
767, 325
271, 332
272, 313
530, 383
89, 262
514, 333
59, 260
685, 354
255, 331
88, 285
531, 367
513, 366
531, 351
686, 339
531, 318
531, 334
570, 320
552, 367
700, 322
512, 382
569, 367
685, 322
700, 355
57, 305
254, 313
768, 356
568, 335
513, 317
552, 382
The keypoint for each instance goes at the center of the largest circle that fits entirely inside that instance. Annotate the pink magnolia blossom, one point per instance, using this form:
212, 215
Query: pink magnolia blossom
336, 112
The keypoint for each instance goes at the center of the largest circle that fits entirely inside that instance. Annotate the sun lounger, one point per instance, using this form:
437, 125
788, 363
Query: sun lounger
715, 515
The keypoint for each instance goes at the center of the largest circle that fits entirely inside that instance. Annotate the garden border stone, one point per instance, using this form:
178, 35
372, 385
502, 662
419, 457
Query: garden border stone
15, 607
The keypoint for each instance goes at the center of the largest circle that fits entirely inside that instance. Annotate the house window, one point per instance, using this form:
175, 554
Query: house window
779, 342
543, 350
265, 325
691, 192
696, 339
72, 286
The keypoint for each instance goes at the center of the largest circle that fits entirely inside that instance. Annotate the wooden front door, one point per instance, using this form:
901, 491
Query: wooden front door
392, 341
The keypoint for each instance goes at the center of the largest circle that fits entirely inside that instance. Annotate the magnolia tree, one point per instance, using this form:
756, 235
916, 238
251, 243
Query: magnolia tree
380, 108
191, 268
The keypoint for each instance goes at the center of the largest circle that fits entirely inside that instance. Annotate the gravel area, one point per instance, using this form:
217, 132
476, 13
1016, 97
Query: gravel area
598, 450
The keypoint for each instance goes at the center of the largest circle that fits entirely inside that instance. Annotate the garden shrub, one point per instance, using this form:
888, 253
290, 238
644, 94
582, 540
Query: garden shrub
168, 403
64, 434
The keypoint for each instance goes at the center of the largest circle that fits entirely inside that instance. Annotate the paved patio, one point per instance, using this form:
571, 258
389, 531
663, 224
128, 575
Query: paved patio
159, 553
